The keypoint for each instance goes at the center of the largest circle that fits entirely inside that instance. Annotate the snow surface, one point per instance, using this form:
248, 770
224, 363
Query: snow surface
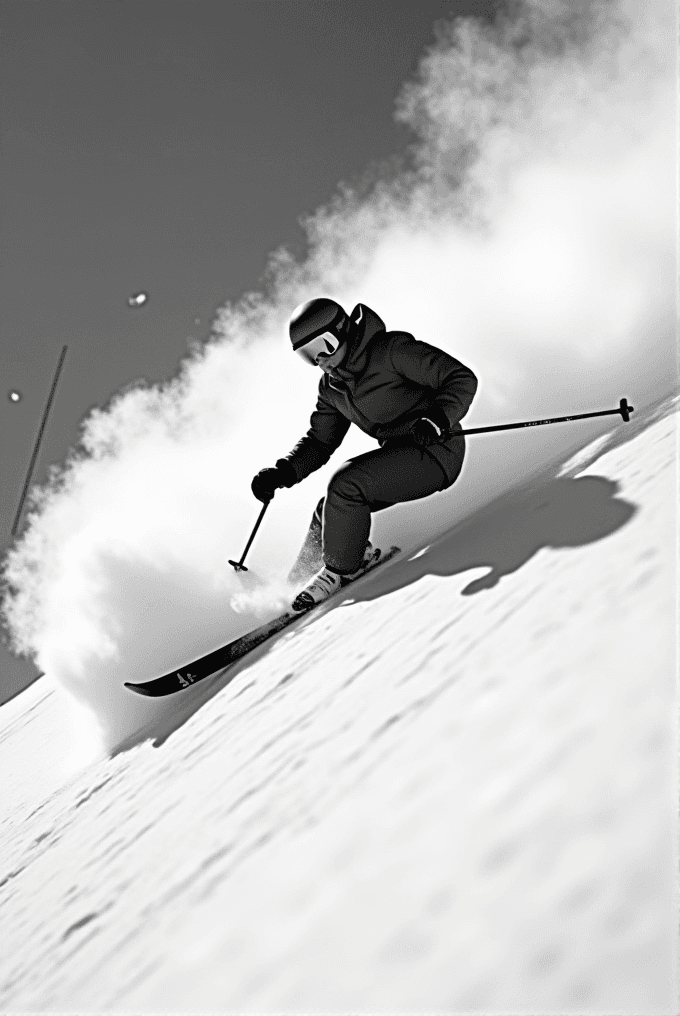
456, 791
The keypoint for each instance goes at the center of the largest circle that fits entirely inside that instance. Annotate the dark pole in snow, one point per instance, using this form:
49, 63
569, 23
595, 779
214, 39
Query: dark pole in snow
624, 409
239, 565
36, 447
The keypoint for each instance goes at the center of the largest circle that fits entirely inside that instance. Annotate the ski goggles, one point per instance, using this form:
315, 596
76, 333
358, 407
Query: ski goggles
321, 346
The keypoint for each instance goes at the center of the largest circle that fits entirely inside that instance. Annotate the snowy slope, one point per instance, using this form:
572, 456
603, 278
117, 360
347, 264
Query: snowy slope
455, 793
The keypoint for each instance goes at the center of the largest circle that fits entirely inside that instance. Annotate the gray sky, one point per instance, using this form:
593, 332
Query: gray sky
168, 146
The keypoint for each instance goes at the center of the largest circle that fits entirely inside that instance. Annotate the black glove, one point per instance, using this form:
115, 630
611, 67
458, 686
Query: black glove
431, 428
270, 479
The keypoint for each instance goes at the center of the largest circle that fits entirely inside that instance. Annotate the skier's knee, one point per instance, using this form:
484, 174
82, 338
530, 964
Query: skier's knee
317, 517
344, 484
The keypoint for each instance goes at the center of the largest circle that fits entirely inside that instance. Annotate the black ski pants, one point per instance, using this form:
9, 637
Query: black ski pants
367, 483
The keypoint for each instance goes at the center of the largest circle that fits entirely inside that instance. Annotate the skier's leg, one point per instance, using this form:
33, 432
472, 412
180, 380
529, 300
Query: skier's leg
367, 483
310, 558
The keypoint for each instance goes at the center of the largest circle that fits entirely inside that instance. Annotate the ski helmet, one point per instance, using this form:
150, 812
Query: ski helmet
314, 319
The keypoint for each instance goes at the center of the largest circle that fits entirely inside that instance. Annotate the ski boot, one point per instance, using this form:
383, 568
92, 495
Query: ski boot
327, 582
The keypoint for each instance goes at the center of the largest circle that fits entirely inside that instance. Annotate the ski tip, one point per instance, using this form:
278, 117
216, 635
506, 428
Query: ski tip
139, 688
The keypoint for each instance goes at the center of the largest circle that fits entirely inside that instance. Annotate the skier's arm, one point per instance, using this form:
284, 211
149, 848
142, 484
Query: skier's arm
327, 428
453, 385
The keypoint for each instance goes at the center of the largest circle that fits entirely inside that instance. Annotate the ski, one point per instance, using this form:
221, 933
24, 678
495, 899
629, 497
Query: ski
218, 660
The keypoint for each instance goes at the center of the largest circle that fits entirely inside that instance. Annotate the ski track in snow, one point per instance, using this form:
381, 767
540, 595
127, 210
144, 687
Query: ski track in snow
444, 798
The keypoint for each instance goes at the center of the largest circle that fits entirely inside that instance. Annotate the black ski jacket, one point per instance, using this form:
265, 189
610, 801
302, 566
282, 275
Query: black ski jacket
387, 381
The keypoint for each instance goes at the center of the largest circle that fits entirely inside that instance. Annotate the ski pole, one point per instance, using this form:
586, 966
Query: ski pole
239, 565
624, 409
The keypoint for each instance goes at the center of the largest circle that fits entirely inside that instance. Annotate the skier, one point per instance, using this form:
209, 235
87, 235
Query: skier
406, 394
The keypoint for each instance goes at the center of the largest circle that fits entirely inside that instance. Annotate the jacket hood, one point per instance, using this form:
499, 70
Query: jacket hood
366, 325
